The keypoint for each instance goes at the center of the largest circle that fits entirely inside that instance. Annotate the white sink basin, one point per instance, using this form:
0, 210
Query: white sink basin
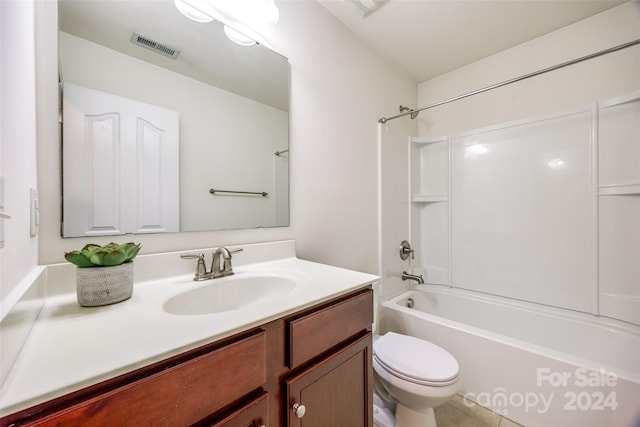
229, 293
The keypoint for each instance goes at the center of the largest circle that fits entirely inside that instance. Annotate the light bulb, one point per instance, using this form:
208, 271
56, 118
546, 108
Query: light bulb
271, 14
192, 12
237, 37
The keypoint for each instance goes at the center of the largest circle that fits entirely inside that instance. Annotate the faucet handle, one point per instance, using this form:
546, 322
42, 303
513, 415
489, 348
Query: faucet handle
201, 269
405, 250
236, 251
192, 256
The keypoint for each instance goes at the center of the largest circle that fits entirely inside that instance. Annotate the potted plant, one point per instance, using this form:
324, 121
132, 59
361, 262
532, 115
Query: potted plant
105, 273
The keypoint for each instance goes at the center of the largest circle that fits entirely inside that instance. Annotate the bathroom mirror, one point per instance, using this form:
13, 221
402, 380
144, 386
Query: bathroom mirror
232, 104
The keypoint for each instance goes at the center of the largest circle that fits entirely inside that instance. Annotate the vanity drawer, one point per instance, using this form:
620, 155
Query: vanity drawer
179, 395
323, 329
253, 414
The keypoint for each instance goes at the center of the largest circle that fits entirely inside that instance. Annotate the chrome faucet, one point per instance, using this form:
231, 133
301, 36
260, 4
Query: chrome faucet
417, 278
216, 271
227, 269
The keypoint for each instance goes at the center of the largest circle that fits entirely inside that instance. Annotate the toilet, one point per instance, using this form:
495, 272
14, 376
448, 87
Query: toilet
414, 374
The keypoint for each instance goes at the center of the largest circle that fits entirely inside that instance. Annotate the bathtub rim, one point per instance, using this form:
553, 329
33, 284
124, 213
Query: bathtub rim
394, 303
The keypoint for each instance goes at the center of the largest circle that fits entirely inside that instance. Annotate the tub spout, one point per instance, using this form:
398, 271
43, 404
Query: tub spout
417, 278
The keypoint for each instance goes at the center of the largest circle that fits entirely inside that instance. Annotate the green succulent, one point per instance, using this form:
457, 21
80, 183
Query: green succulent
93, 255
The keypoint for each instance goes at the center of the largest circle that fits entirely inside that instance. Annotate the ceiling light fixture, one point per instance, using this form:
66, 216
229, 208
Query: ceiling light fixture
192, 12
237, 37
240, 18
258, 13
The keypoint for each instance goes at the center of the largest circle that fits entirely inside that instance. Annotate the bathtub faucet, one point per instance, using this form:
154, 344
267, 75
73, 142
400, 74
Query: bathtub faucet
418, 279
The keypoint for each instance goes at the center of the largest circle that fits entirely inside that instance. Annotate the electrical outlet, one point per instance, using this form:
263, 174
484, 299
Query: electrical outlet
35, 212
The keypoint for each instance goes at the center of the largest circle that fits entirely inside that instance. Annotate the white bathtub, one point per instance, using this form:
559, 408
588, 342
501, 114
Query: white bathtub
537, 365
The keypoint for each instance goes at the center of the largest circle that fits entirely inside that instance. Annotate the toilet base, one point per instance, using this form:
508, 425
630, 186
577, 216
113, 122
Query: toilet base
407, 417
383, 409
383, 417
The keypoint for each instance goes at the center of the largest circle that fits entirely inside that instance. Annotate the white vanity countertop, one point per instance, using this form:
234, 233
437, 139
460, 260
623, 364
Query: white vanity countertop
72, 347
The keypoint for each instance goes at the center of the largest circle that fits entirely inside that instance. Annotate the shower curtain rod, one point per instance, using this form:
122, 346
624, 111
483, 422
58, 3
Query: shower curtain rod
514, 80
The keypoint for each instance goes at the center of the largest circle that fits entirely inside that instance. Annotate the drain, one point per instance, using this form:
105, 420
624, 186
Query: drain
410, 302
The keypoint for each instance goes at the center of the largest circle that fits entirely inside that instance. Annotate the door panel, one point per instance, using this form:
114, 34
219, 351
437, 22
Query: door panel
335, 392
120, 165
395, 206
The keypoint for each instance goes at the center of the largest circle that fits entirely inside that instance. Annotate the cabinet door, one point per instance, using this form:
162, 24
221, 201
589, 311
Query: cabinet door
336, 392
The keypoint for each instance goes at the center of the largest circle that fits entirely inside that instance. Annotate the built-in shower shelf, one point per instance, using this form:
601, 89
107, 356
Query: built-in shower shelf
428, 139
429, 198
620, 190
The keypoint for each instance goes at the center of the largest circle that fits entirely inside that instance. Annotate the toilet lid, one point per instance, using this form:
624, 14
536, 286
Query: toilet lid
415, 358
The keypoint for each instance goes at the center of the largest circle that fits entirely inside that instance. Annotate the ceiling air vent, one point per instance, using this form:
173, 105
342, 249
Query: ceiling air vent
154, 45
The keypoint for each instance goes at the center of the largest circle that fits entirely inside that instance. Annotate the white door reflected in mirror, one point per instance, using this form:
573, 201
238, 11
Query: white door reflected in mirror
125, 157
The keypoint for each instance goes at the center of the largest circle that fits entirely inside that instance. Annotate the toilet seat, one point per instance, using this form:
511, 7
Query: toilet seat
415, 360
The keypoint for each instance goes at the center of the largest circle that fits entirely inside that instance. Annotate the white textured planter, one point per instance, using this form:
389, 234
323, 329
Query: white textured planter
104, 285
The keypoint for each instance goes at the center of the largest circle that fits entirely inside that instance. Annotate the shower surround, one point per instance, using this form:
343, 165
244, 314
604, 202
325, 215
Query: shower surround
542, 209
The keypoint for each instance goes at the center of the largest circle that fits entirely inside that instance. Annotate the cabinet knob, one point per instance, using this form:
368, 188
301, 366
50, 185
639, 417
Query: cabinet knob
298, 410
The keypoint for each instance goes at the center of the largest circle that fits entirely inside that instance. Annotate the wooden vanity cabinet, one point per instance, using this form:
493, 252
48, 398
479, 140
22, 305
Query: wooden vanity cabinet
319, 357
330, 350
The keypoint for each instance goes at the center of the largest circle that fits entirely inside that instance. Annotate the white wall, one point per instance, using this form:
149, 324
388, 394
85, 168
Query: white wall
601, 78
339, 89
18, 139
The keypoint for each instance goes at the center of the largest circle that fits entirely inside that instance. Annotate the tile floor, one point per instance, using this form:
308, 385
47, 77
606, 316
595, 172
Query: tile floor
456, 413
